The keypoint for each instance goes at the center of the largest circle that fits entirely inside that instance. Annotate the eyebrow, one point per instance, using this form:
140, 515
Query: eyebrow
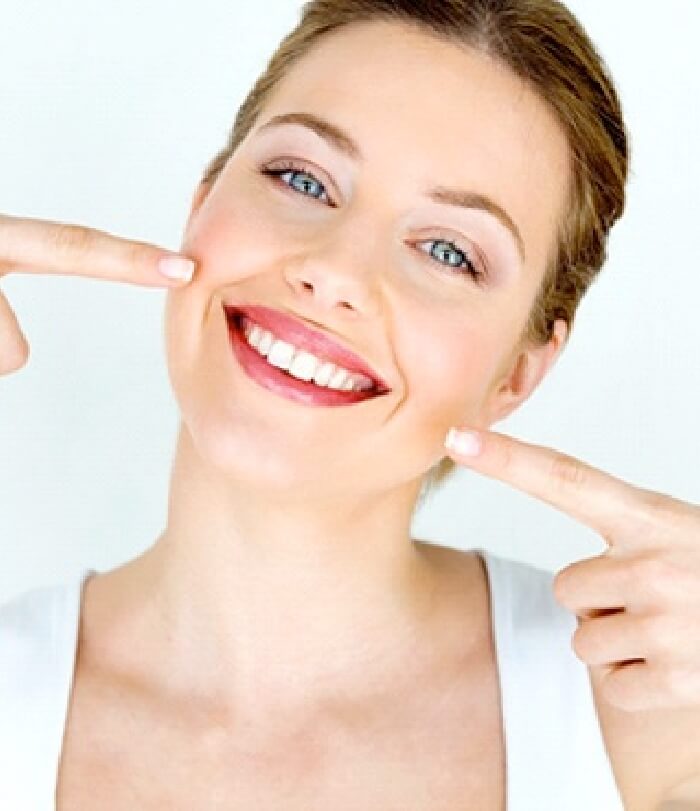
343, 142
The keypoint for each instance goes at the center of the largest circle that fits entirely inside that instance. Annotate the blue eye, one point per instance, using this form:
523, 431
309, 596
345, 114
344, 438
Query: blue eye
303, 182
462, 264
450, 249
299, 179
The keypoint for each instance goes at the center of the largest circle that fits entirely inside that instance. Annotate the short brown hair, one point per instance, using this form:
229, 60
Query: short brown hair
545, 45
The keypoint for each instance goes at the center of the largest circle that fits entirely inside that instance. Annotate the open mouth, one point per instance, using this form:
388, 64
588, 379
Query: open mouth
280, 381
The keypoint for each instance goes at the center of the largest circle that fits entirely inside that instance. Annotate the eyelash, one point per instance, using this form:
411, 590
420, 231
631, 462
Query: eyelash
469, 268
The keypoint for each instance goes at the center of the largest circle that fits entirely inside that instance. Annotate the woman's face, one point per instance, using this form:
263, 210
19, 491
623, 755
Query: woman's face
362, 252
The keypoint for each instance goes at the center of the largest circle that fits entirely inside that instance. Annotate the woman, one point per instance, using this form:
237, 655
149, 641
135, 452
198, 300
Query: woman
285, 643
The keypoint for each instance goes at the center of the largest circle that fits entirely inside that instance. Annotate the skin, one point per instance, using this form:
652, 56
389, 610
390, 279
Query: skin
285, 517
204, 603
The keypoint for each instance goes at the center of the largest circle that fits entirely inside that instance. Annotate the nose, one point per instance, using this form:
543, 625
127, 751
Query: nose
338, 273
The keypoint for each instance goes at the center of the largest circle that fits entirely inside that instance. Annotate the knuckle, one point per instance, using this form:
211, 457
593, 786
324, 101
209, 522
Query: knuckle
14, 356
652, 501
567, 471
658, 512
581, 642
72, 238
561, 587
137, 253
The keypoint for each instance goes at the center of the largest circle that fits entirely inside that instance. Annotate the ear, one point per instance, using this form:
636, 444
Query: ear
525, 372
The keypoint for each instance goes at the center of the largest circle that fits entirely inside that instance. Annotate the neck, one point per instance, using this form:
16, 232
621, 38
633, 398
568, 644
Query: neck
270, 605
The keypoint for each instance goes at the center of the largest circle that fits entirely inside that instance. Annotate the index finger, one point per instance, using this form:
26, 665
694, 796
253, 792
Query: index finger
41, 246
596, 499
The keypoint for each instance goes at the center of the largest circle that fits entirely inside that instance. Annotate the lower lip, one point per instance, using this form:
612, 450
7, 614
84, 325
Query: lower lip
279, 382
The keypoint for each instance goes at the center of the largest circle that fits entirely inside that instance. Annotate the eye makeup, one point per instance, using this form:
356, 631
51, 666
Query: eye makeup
280, 165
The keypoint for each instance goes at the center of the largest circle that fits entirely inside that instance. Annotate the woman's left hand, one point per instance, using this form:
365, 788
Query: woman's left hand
637, 604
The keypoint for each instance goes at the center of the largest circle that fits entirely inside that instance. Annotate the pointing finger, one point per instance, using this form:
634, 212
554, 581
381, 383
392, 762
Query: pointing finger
587, 494
39, 246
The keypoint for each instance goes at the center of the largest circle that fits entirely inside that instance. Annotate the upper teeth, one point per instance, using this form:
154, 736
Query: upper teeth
301, 364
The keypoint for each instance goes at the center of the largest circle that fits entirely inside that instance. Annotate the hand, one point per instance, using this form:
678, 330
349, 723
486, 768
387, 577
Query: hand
39, 246
637, 604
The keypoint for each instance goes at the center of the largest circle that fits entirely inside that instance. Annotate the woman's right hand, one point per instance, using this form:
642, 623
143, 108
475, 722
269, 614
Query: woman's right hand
39, 246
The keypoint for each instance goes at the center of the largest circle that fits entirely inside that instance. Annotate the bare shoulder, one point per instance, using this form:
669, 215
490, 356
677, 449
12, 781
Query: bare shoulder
655, 754
464, 594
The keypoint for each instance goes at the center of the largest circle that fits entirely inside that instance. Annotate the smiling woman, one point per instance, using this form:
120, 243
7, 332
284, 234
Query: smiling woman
375, 264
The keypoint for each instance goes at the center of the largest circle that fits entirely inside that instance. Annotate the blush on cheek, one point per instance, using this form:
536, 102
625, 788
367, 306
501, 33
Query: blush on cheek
472, 373
232, 245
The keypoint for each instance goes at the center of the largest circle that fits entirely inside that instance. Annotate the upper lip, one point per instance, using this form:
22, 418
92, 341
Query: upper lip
294, 331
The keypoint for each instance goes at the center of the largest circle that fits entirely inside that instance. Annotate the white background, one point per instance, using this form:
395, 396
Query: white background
110, 113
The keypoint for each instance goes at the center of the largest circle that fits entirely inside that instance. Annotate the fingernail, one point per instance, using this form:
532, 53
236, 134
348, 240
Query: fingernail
465, 443
176, 267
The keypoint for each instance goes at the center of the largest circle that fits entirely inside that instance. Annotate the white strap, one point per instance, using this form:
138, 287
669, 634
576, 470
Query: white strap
556, 756
38, 635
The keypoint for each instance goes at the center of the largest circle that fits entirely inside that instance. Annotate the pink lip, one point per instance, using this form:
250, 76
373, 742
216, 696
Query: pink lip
290, 329
283, 384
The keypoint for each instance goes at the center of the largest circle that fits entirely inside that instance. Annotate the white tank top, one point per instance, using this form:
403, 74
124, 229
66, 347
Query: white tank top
555, 754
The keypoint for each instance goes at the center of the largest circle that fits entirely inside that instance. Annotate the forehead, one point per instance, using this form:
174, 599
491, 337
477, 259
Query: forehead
426, 112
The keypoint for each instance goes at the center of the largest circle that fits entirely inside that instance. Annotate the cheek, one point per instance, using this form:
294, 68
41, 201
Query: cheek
181, 326
450, 370
233, 242
231, 238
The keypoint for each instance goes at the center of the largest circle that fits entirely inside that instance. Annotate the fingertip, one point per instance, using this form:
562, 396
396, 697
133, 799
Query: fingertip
177, 268
463, 442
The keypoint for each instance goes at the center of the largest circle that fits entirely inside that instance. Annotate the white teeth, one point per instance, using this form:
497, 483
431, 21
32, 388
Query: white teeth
259, 338
280, 354
338, 380
253, 334
302, 364
324, 373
